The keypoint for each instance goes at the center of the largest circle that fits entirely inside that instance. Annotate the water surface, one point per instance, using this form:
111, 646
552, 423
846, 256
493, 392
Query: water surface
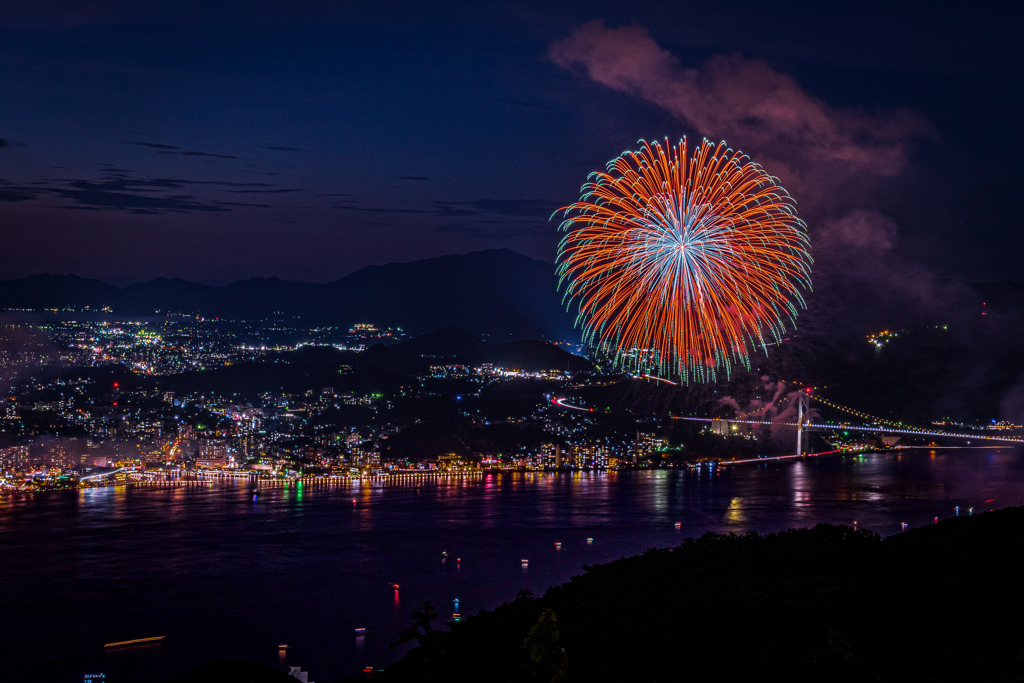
221, 574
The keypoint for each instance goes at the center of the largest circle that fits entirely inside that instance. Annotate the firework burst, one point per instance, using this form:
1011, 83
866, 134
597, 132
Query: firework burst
683, 261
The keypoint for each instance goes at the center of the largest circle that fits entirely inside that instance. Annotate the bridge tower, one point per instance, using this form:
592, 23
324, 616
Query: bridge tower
801, 410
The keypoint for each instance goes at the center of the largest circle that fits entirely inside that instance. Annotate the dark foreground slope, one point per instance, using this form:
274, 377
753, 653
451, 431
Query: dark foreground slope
940, 603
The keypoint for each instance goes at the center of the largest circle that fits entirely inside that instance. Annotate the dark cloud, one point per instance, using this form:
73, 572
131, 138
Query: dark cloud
413, 177
502, 207
373, 209
4, 142
510, 208
258, 206
278, 191
120, 182
222, 183
151, 145
117, 190
276, 148
174, 149
13, 193
207, 154
96, 196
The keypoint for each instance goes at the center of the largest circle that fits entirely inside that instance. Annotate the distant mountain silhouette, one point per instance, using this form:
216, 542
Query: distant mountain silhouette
452, 344
55, 291
498, 293
390, 358
446, 342
532, 355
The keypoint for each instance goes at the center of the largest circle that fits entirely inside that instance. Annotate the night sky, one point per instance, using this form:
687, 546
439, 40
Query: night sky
219, 141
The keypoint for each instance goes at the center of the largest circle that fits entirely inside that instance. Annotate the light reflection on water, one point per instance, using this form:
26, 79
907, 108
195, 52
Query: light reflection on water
222, 574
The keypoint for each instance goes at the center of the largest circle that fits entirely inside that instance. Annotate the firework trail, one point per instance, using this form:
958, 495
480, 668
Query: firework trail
681, 261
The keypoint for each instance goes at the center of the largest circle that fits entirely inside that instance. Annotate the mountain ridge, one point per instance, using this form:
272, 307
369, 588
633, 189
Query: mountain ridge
497, 292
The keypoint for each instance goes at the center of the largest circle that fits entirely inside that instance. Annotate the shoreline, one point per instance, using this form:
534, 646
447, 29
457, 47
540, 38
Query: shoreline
195, 479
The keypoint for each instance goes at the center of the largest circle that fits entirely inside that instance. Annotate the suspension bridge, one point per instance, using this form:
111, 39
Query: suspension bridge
829, 416
817, 413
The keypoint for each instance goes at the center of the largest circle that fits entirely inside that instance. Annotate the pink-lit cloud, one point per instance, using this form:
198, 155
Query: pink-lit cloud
862, 239
832, 160
746, 102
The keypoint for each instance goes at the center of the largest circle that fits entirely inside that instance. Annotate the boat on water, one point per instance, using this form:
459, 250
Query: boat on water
136, 641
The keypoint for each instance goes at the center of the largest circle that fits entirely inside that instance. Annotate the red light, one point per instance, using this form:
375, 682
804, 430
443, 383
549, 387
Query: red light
116, 385
808, 390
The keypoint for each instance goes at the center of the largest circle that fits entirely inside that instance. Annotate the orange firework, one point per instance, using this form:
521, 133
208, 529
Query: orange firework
682, 261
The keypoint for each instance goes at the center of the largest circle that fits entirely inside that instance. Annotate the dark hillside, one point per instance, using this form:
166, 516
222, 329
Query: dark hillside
55, 291
532, 356
939, 603
251, 379
446, 342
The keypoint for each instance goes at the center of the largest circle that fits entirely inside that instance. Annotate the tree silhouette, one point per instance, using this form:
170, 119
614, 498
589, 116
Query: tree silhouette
546, 659
421, 628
